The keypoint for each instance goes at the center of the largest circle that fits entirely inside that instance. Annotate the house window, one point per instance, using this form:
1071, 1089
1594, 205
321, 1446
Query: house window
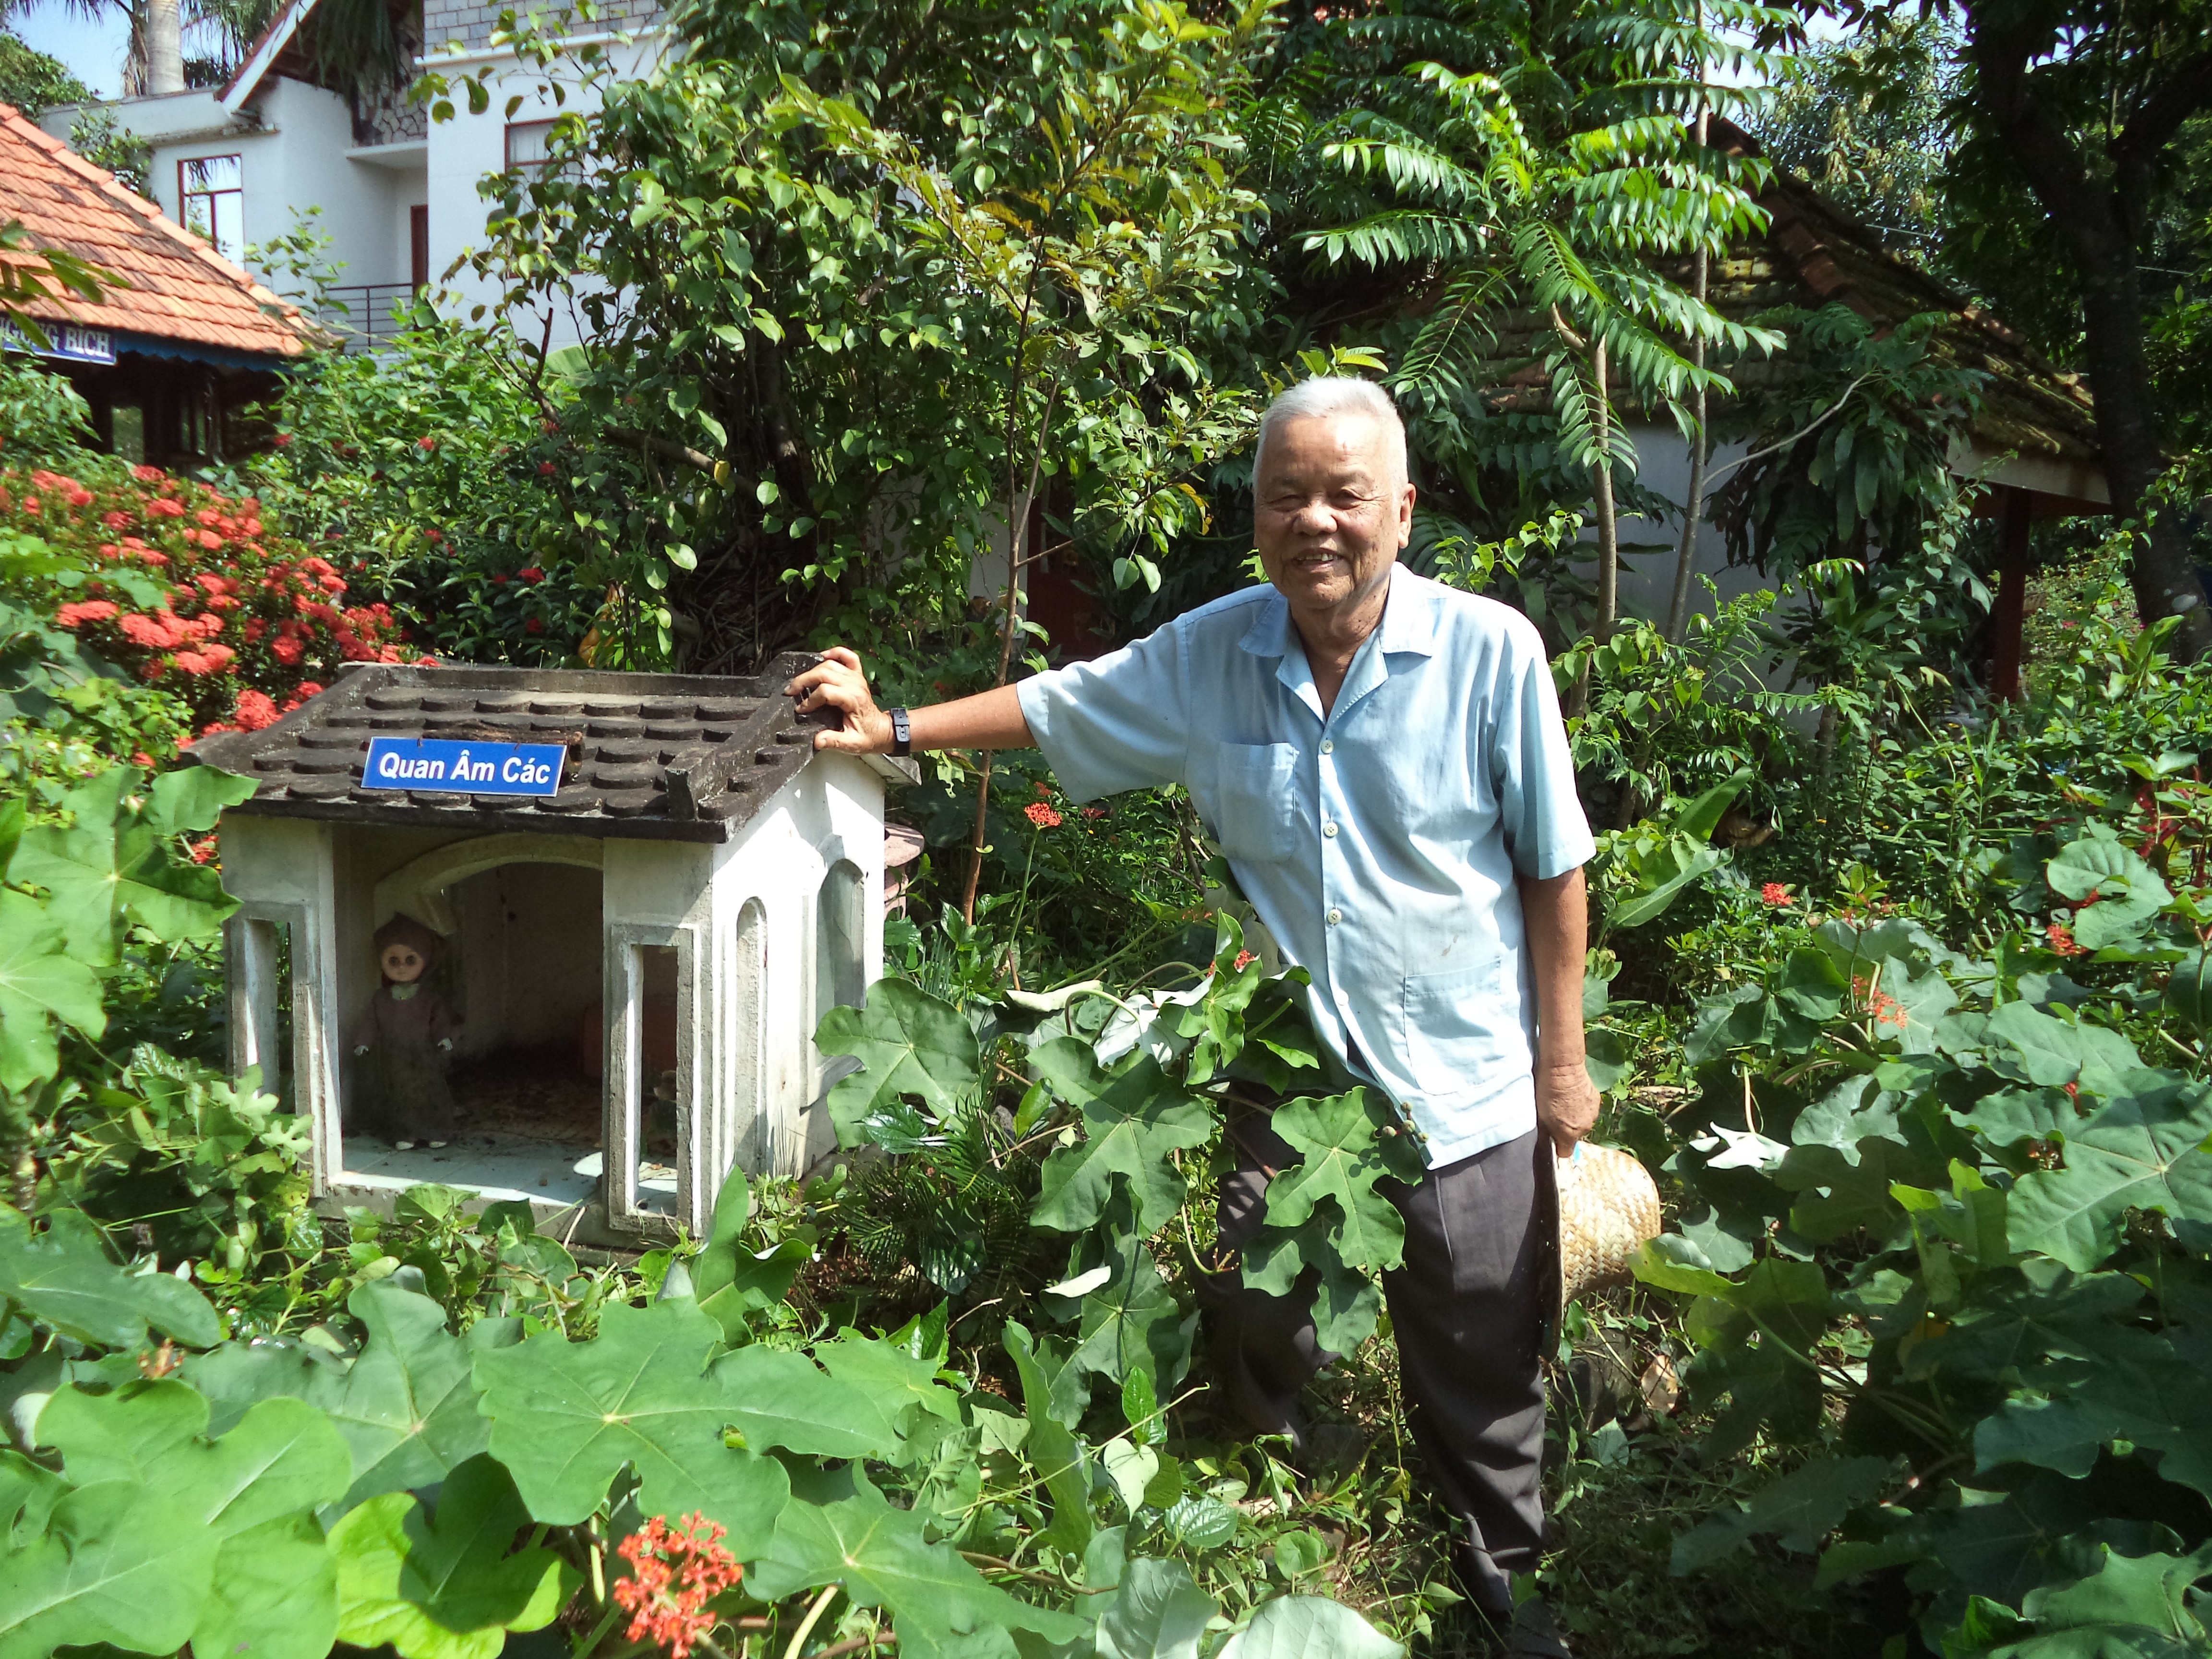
211, 199
529, 147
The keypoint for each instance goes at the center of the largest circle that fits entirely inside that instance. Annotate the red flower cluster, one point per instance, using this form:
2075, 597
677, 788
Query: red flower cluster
1774, 893
2062, 940
247, 624
1885, 1009
677, 1572
1041, 815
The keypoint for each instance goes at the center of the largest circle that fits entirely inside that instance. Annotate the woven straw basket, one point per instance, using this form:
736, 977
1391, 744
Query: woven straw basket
1608, 1208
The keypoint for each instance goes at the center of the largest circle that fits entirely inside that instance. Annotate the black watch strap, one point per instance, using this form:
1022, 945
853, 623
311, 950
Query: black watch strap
901, 734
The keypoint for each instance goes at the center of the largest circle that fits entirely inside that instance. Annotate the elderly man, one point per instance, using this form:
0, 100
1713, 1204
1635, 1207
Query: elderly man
1383, 762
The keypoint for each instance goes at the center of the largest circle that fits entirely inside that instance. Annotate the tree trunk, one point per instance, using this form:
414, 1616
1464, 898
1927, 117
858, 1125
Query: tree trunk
2099, 222
1608, 537
1686, 558
165, 48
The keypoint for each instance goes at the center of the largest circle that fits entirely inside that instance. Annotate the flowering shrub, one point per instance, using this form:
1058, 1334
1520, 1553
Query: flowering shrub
190, 591
676, 1571
436, 466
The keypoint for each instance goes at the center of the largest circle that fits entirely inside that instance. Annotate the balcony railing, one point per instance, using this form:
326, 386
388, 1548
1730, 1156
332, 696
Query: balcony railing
362, 312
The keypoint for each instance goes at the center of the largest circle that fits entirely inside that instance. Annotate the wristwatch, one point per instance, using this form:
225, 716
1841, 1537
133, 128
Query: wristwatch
901, 734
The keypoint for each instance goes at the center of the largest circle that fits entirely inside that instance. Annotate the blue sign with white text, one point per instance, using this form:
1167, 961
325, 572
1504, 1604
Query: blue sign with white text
468, 769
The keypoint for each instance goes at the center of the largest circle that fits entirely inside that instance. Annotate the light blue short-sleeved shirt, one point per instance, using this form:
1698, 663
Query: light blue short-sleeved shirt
1379, 845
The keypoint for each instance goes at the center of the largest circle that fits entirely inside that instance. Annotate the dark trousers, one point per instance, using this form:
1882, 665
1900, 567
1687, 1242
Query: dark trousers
1468, 1309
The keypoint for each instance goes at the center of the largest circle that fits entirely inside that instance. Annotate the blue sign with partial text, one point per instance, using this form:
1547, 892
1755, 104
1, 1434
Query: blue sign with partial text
467, 768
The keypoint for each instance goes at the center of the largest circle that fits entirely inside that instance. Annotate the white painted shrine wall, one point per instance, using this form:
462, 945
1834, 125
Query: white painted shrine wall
281, 872
832, 811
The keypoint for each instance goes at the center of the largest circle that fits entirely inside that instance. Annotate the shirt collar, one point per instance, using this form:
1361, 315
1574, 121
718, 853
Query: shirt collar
1409, 619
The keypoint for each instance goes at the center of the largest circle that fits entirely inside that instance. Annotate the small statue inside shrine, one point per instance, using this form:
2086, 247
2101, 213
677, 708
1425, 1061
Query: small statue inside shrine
404, 1040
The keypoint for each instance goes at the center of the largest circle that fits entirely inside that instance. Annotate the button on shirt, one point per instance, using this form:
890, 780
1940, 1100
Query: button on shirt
1379, 843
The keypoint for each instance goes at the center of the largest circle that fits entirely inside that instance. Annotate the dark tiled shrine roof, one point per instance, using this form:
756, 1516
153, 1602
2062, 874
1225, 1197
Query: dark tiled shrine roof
664, 756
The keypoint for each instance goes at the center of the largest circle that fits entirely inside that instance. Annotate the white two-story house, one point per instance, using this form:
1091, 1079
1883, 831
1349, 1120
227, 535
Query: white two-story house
299, 127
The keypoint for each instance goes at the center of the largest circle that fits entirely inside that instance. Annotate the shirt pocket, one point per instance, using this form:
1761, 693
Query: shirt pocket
1255, 810
1463, 1030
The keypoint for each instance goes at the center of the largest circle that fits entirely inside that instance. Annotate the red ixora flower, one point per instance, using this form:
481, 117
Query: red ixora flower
2062, 940
426, 444
676, 1570
1774, 893
1041, 815
530, 573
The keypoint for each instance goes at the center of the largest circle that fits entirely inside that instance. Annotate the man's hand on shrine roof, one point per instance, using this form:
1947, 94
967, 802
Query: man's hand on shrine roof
989, 719
837, 682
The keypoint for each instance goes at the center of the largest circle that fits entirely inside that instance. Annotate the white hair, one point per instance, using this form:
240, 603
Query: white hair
1328, 395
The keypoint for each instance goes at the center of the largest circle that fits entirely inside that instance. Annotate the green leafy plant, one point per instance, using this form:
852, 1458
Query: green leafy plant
1952, 1252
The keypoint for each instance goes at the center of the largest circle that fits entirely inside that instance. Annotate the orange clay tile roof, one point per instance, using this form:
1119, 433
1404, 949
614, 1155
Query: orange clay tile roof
181, 289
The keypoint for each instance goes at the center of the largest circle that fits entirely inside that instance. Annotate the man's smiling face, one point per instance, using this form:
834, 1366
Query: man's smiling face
1330, 516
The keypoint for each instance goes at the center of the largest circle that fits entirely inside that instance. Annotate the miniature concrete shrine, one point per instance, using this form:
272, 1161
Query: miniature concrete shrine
627, 900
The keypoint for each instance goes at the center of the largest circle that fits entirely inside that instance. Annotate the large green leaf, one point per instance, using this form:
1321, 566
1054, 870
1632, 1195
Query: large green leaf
63, 1278
2143, 1149
1343, 1153
1661, 879
907, 1042
731, 1283
2013, 1323
1132, 1322
1347, 1303
884, 1559
1841, 1193
2189, 990
2136, 1389
1061, 1461
1308, 1627
1131, 1128
105, 867
443, 1585
2133, 1607
407, 1406
189, 800
1157, 1611
272, 1592
284, 1457
117, 1564
2035, 1047
76, 864
568, 1417
1797, 1511
901, 1386
173, 898
1755, 1339
716, 1264
2114, 892
275, 1593
39, 982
